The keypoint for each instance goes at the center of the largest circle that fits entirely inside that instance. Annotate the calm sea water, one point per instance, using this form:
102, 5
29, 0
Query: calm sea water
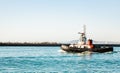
52, 60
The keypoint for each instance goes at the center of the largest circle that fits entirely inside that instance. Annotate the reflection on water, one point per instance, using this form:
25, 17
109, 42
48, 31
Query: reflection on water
50, 59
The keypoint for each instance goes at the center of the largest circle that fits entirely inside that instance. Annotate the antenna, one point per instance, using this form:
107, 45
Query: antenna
84, 30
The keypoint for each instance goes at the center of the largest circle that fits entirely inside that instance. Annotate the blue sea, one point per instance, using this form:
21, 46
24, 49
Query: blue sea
20, 59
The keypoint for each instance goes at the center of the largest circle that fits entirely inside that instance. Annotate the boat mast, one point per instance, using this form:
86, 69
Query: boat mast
83, 35
84, 28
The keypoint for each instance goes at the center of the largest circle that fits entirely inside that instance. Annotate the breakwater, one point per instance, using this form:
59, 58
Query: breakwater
32, 44
49, 44
110, 45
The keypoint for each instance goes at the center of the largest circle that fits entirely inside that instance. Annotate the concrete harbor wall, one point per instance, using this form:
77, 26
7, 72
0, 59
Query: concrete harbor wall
31, 44
51, 44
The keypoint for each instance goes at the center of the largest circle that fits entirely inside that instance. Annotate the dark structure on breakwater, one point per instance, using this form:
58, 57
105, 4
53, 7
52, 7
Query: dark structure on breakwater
51, 44
110, 45
31, 44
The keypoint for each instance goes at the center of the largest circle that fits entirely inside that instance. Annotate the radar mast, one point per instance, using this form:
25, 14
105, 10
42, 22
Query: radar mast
83, 36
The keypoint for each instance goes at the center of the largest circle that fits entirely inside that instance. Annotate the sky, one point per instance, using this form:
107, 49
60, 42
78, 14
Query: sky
58, 20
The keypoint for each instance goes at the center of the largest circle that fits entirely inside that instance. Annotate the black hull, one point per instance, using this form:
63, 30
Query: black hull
79, 50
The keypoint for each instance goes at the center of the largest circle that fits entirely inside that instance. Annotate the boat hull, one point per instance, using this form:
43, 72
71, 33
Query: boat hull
79, 50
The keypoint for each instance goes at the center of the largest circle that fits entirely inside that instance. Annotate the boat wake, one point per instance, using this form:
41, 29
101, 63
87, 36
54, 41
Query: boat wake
61, 51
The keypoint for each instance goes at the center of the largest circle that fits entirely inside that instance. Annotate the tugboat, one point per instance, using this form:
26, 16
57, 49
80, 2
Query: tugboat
85, 45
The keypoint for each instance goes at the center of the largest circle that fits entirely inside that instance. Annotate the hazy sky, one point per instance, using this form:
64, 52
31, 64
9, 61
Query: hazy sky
58, 20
